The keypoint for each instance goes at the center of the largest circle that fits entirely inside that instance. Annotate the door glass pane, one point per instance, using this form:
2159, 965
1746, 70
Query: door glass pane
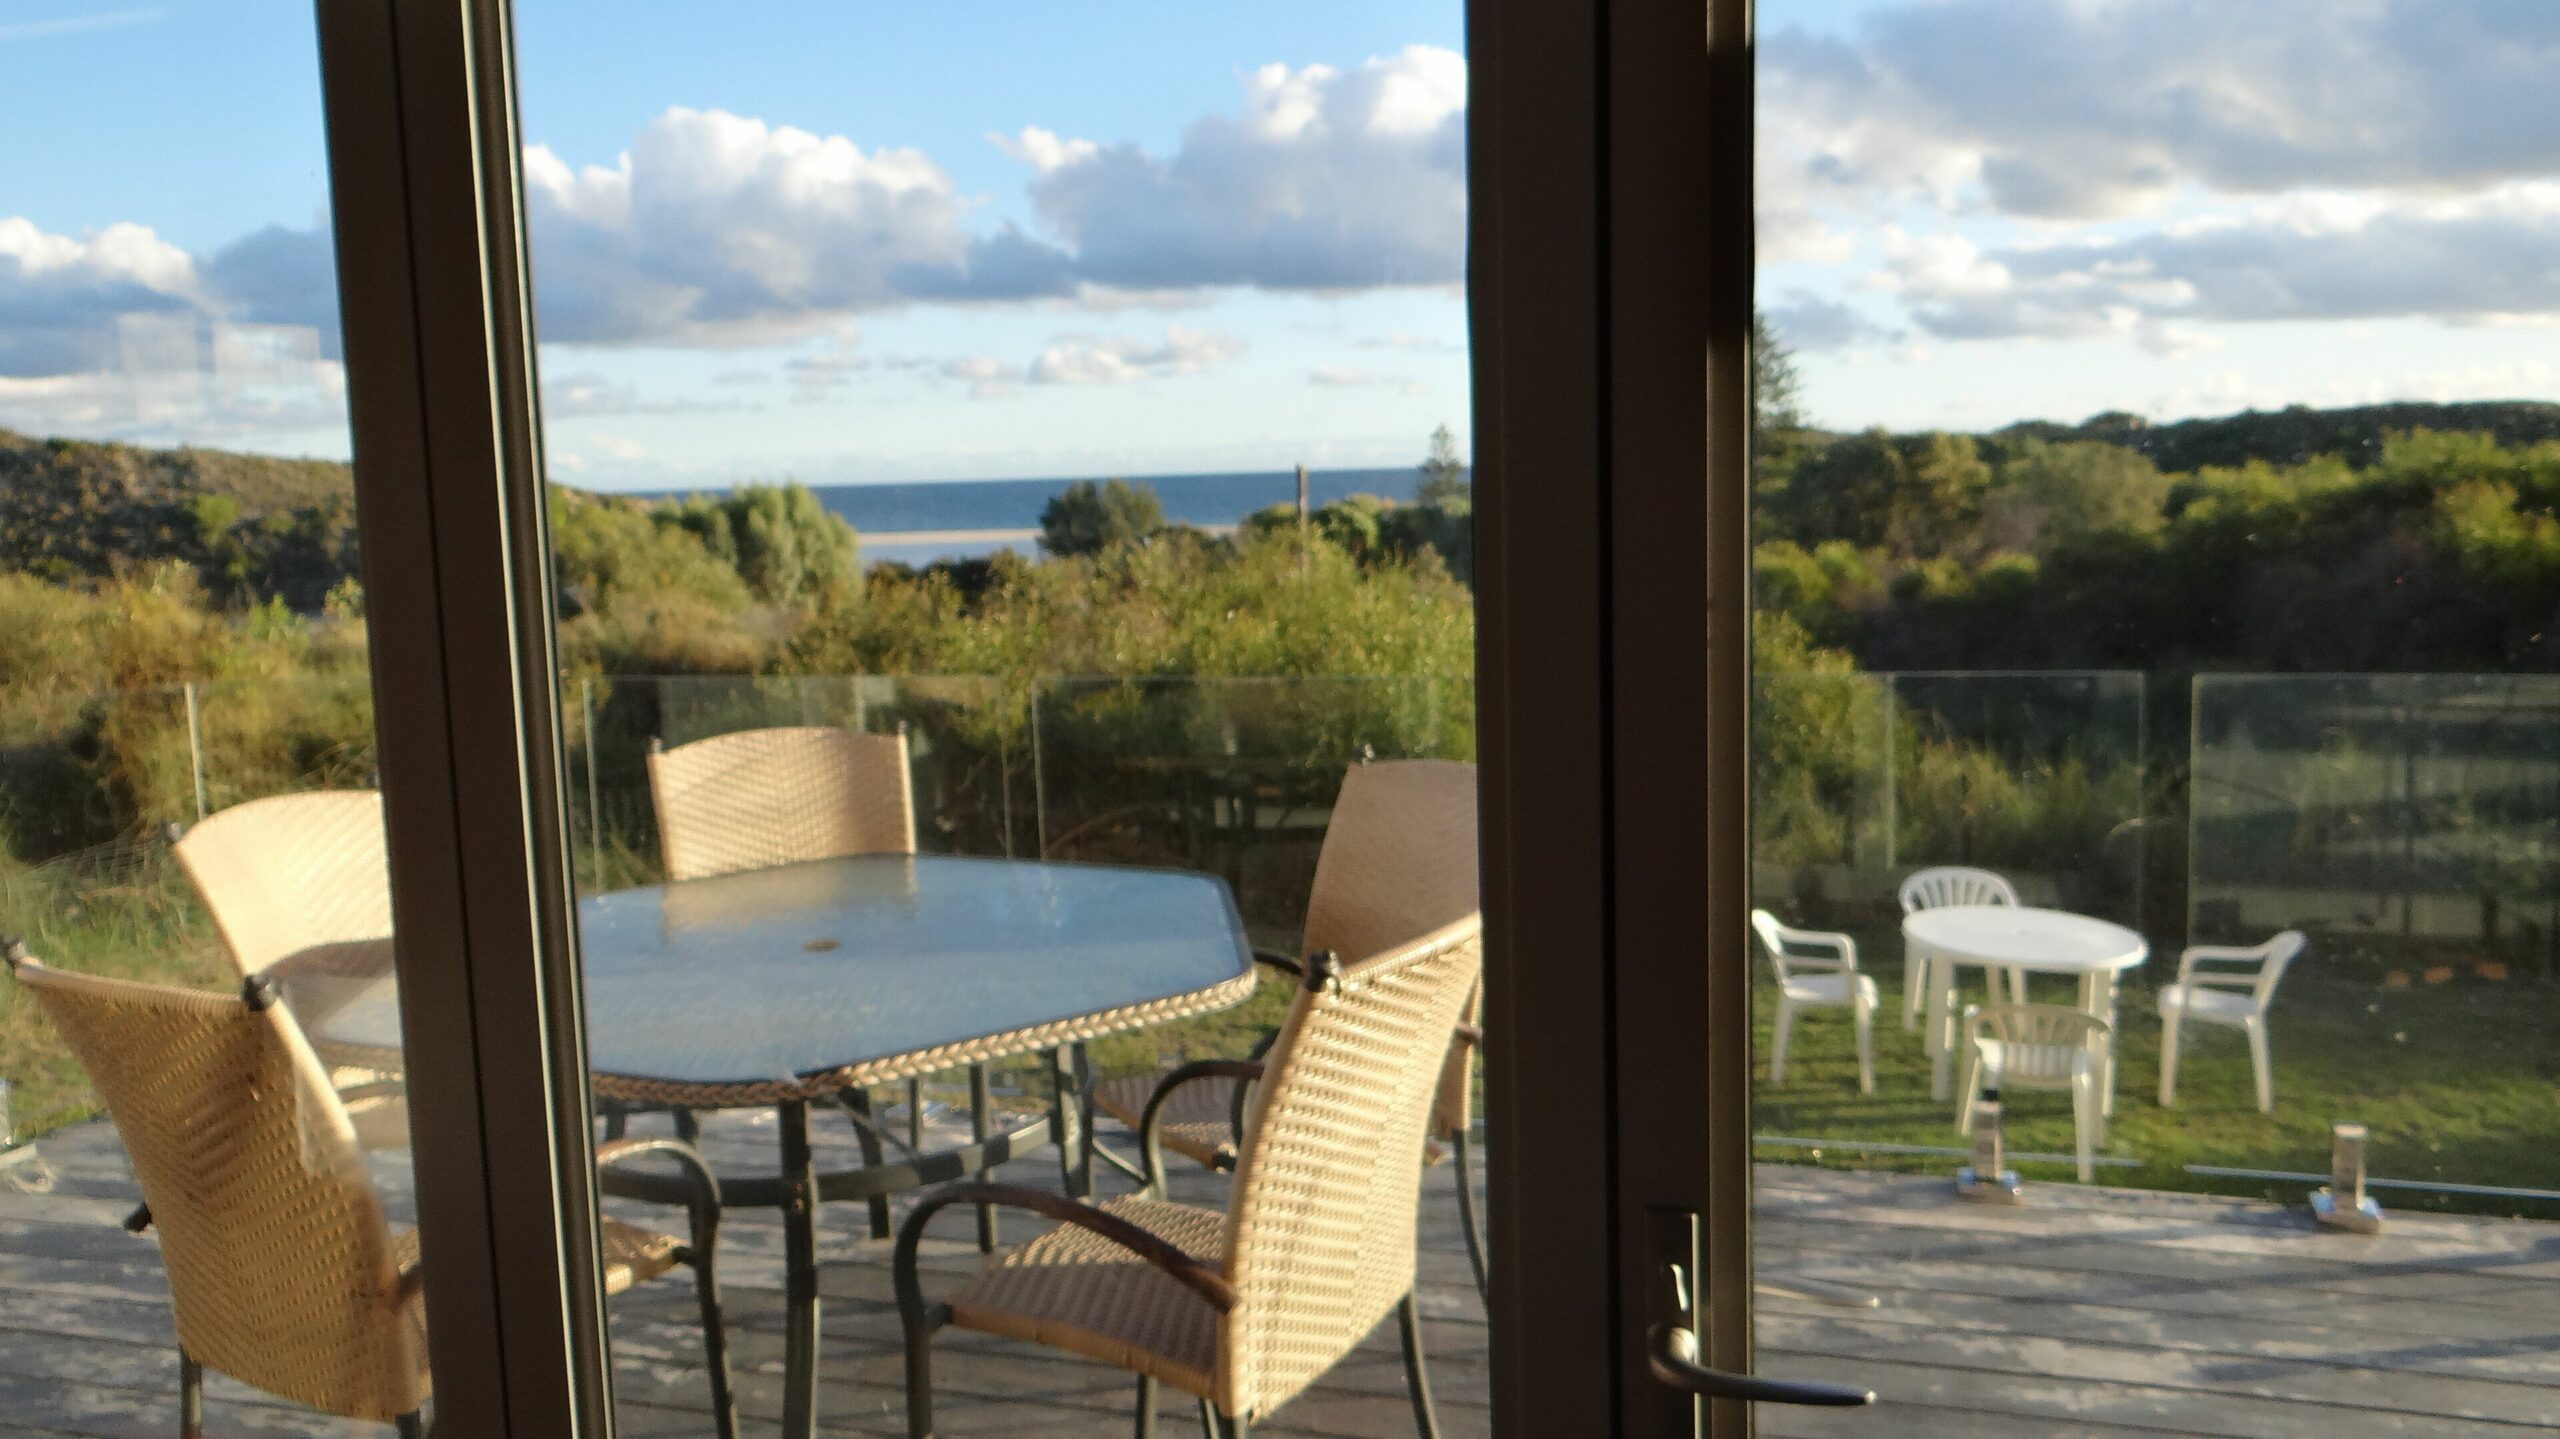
1008, 471
187, 777
2154, 476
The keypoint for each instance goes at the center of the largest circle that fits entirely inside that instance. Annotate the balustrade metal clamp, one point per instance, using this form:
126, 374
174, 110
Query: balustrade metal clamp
1988, 1179
2344, 1204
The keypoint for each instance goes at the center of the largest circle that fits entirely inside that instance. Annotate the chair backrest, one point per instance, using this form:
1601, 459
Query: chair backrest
778, 796
281, 1270
1775, 937
1399, 859
2040, 1044
291, 872
2275, 956
1320, 1223
1954, 884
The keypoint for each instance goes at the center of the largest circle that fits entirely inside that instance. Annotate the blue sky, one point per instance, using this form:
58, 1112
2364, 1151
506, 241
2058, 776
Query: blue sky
846, 242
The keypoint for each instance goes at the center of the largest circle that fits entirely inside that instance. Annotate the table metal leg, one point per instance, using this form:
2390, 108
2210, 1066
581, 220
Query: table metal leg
978, 1135
800, 1275
1066, 1124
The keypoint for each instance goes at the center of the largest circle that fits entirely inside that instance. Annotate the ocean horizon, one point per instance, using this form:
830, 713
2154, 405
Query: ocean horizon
919, 521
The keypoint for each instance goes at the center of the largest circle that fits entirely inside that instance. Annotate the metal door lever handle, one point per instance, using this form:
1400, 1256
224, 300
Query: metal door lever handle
1673, 1351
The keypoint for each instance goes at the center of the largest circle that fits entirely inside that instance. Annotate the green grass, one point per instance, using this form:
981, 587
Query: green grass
2457, 1082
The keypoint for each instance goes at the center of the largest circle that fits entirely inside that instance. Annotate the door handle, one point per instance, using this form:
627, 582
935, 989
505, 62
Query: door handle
1672, 1350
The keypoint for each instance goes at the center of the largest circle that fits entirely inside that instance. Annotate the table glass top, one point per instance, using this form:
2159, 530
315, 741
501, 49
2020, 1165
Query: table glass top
2026, 938
804, 968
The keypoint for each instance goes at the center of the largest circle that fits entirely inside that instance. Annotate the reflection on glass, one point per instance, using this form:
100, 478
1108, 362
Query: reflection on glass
2131, 404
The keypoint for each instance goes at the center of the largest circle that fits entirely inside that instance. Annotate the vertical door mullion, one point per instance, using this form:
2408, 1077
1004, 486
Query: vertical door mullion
422, 149
1542, 737
1679, 216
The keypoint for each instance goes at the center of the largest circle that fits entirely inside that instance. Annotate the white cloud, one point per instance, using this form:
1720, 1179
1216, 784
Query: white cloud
2083, 111
2483, 259
1094, 360
1326, 180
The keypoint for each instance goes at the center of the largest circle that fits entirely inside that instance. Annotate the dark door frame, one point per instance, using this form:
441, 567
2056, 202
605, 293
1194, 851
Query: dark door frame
1610, 288
427, 219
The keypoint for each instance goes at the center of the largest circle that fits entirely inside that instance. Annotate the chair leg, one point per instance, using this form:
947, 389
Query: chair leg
190, 1397
1220, 1426
411, 1426
919, 1329
1915, 983
1146, 1406
2084, 1124
1968, 1089
2169, 1059
1470, 1220
1864, 1014
1778, 1042
1416, 1380
857, 1102
715, 1331
2264, 1064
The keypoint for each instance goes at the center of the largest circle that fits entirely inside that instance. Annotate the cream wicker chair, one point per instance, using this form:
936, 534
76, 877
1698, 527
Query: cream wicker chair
2238, 999
1817, 969
297, 876
282, 1271
1399, 857
1245, 1309
2037, 1046
764, 797
752, 799
1944, 885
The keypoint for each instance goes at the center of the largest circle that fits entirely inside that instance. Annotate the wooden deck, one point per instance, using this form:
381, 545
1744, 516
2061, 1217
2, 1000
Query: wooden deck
2092, 1312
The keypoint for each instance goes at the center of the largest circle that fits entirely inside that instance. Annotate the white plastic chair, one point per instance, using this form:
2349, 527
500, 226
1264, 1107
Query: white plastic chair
2235, 997
2037, 1046
1936, 887
1827, 977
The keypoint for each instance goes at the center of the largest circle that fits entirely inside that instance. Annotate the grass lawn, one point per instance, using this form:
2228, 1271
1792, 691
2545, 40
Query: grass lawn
2458, 1082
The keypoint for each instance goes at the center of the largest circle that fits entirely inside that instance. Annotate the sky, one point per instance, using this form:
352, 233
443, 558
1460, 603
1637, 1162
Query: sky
845, 242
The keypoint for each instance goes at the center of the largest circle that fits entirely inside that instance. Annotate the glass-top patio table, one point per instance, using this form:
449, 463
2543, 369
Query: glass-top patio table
811, 981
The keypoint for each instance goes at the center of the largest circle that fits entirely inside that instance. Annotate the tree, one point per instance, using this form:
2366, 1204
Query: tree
1444, 477
781, 539
1911, 494
1085, 519
2046, 491
1776, 388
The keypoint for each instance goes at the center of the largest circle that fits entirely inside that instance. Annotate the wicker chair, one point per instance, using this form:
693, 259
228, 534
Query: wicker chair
753, 799
1399, 858
282, 1270
1245, 1309
763, 797
303, 877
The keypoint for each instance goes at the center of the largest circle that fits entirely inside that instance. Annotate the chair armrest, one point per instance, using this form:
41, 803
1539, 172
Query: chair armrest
703, 1210
1470, 1036
1200, 1278
2203, 954
1843, 949
1150, 1145
1280, 962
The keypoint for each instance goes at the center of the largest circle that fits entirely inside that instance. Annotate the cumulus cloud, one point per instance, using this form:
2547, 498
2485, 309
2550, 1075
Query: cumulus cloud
1808, 322
2485, 260
1325, 180
720, 229
2077, 111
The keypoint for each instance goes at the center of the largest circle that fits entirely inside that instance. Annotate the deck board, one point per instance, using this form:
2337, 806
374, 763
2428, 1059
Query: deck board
2096, 1312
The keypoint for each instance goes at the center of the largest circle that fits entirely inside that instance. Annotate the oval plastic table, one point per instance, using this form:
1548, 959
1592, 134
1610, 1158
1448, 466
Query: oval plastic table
809, 982
2036, 941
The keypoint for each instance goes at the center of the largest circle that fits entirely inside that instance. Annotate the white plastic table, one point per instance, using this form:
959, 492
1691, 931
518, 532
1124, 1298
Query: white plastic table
2035, 941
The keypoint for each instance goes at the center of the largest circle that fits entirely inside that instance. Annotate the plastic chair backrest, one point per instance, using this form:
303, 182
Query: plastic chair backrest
2040, 1044
1954, 884
2278, 954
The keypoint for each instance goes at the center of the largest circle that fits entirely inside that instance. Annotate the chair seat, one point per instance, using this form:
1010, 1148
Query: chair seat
1828, 988
632, 1255
2197, 1001
1995, 1054
1198, 1123
1074, 1290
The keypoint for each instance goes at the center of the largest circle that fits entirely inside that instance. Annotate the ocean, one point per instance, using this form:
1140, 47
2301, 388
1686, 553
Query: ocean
947, 519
